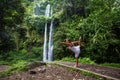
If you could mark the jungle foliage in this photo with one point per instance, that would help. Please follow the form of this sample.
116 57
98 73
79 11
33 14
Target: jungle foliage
97 21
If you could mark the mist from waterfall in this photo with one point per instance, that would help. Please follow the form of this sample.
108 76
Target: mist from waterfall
37 9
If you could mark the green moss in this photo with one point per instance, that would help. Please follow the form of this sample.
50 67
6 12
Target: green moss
14 68
116 65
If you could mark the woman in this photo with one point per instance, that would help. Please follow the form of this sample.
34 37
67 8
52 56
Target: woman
75 49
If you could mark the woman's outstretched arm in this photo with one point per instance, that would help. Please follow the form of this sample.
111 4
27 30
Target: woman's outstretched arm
66 43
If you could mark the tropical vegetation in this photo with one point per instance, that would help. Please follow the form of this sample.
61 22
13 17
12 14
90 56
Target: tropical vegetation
96 21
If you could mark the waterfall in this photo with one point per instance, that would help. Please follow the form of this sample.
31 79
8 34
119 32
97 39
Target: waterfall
48 56
47 12
45 44
50 44
47 48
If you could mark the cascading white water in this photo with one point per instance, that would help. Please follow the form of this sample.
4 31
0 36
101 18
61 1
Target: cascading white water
47 12
45 45
47 51
50 44
45 55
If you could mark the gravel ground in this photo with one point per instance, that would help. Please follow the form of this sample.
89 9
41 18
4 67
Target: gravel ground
49 72
55 72
108 71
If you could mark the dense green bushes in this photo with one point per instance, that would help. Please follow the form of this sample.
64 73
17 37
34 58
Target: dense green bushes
99 30
16 56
